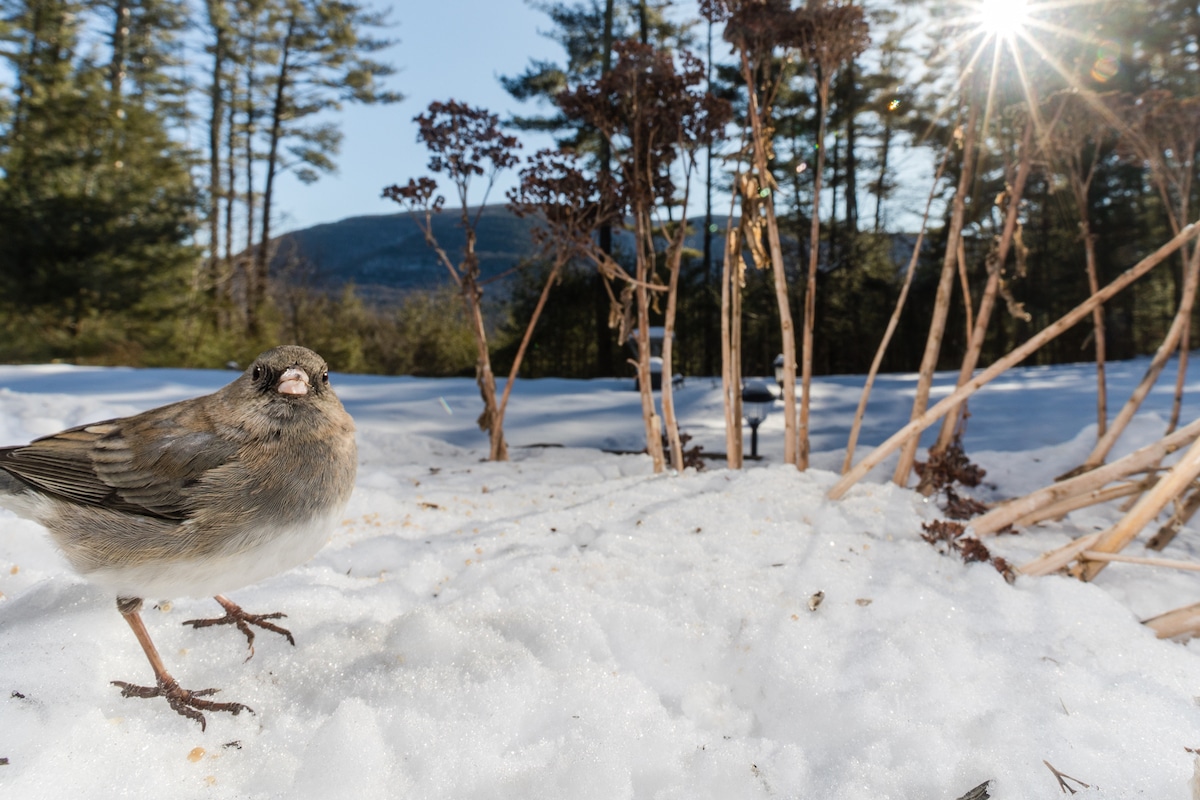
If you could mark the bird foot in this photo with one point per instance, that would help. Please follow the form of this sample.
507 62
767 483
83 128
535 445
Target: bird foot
235 615
186 703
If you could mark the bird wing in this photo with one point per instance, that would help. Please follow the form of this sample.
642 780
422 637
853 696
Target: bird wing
143 464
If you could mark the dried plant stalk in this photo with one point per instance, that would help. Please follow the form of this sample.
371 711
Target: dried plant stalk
941 308
551 279
1183 621
644 261
759 119
1081 123
856 428
1140 460
1172 485
731 341
464 143
1181 517
1157 363
1090 498
674 258
1171 563
1163 132
964 285
995 266
914 428
835 34
1060 557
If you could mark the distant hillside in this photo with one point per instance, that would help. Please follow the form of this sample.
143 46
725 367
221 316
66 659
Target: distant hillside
386 254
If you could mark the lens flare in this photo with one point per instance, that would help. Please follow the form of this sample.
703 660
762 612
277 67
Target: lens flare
1003 18
1108 61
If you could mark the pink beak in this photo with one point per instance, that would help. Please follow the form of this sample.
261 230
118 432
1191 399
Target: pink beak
294 381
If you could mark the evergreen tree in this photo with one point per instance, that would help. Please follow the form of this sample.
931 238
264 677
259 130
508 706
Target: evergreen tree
587 31
96 202
324 59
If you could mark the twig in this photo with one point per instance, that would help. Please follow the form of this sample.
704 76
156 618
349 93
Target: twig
1060 557
893 321
1062 779
1096 555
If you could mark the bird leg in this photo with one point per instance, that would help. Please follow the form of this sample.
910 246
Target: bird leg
186 703
234 615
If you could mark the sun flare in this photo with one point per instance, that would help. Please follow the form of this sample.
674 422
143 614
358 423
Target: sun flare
1002 18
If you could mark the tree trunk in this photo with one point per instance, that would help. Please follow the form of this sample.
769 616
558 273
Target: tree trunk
810 288
226 292
120 47
1089 248
601 304
254 291
216 122
710 280
849 75
885 148
262 254
937 326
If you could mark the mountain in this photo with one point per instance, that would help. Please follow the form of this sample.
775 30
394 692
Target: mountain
386 254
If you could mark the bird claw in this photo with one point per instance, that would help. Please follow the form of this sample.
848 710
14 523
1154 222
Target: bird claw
185 702
234 615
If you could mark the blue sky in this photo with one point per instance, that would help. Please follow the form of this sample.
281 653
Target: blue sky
448 49
457 49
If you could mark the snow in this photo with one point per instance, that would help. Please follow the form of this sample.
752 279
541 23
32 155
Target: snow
568 625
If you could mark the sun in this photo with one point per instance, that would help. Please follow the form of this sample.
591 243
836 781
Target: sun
1003 19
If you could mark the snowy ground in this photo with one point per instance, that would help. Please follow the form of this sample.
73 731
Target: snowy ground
567 625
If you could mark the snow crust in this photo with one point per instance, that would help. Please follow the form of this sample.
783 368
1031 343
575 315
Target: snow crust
567 625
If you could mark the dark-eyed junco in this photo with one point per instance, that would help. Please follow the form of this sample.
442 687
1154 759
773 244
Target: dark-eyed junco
198 497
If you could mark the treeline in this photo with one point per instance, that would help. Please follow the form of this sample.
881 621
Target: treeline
141 143
894 111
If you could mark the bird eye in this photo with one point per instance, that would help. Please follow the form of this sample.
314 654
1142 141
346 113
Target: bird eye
256 374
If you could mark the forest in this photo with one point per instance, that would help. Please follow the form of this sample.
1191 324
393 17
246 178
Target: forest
141 142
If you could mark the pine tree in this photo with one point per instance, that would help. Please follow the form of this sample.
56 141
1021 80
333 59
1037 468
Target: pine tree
96 203
324 60
587 30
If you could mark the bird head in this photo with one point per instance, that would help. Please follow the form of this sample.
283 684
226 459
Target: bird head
289 371
283 384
